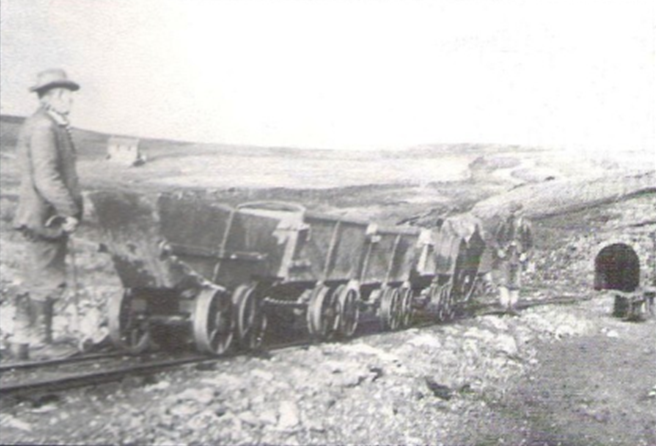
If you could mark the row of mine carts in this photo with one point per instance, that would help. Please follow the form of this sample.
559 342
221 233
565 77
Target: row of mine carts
216 273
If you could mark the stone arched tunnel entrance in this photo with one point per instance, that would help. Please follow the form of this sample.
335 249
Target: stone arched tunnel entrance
617 267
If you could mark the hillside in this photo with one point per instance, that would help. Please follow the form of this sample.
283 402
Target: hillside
434 179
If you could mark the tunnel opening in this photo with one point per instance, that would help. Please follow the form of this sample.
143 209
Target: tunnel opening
617 267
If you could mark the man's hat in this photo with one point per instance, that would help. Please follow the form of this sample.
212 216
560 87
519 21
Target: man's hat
53 78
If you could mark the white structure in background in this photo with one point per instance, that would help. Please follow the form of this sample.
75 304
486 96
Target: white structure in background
125 151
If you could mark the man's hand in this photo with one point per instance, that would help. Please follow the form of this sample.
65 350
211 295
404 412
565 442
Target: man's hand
70 224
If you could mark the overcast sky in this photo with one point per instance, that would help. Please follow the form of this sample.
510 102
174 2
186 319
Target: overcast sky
345 74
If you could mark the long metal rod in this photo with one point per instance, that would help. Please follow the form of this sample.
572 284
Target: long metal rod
76 296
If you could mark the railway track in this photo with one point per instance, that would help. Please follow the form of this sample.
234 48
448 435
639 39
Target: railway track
25 365
15 384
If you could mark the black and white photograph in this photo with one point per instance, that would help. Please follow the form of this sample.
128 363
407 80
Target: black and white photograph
328 222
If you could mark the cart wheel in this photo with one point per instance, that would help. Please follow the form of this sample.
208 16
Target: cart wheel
250 317
348 298
406 298
467 285
390 309
398 310
322 313
213 321
436 298
441 306
447 309
451 307
128 322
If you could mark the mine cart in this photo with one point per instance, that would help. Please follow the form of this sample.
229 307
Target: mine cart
459 247
160 290
390 258
325 268
469 265
440 296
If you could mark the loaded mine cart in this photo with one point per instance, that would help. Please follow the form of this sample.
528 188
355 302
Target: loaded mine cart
389 274
161 290
216 270
442 290
457 250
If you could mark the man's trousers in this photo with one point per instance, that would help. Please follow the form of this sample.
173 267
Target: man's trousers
45 267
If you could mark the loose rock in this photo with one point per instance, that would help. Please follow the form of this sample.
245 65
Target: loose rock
289 415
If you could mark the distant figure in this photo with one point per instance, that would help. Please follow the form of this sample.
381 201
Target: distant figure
514 240
49 209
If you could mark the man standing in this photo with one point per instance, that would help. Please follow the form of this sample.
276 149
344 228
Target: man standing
49 208
514 240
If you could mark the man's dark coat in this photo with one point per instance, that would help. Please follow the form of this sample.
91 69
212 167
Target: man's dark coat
49 182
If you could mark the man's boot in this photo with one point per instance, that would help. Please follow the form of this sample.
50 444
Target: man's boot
41 345
40 323
19 344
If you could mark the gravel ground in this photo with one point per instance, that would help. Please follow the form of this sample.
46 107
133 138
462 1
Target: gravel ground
487 380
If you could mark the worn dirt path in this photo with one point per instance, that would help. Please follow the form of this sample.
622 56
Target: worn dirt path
598 389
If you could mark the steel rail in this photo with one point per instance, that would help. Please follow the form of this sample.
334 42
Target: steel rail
73 381
10 366
92 378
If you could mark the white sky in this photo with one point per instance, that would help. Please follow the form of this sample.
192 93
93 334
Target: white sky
345 74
